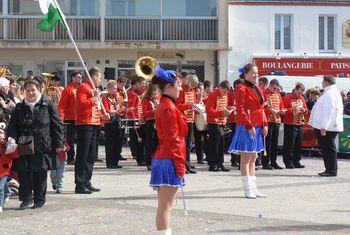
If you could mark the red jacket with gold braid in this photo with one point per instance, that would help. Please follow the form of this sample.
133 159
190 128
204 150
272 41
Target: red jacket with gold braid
214 106
275 102
148 109
88 109
6 161
231 103
66 105
133 102
171 130
294 118
110 102
183 103
250 112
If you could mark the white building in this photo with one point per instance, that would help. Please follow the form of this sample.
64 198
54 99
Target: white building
295 37
112 34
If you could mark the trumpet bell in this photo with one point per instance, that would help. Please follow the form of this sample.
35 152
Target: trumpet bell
146 67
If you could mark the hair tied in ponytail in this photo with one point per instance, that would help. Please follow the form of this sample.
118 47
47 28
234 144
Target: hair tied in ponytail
241 70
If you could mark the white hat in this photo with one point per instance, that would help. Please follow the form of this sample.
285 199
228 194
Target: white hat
4 82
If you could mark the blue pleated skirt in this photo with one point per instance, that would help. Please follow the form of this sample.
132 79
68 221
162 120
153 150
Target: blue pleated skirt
164 174
243 142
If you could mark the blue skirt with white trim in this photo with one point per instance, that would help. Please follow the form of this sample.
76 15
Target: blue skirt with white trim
243 142
164 174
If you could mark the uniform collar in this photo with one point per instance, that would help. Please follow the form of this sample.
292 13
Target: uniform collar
165 96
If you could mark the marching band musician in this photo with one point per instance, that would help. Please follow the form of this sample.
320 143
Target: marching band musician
217 110
122 99
112 126
294 119
199 135
150 103
273 110
251 127
88 120
132 112
168 164
235 159
185 103
66 109
52 90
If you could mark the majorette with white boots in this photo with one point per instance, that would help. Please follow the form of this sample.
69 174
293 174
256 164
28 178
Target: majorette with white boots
251 128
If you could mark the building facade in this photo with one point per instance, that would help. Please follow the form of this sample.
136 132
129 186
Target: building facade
290 37
113 34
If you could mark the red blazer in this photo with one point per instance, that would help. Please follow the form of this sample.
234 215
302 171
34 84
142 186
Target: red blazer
290 101
88 109
231 103
250 112
148 109
276 103
171 130
214 115
107 102
133 101
66 105
184 106
6 161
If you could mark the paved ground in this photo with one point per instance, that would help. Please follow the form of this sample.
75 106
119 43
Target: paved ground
299 202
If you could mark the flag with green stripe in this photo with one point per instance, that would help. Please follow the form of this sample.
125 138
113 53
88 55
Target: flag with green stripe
51 16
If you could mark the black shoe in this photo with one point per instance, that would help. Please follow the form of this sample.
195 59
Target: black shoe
92 189
149 167
123 159
290 166
213 168
114 167
267 167
82 191
276 166
193 167
25 205
258 162
190 171
326 174
38 205
54 187
223 169
299 165
234 164
200 162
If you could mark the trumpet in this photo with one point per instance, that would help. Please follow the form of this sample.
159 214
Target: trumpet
52 91
146 67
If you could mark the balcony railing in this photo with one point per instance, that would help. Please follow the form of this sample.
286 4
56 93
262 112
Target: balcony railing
24 28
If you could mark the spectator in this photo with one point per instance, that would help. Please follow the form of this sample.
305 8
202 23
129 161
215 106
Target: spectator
347 104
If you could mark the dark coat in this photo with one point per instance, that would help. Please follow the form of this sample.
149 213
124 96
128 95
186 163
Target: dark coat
45 125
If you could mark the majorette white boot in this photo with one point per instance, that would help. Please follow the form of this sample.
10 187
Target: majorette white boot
164 232
248 192
254 188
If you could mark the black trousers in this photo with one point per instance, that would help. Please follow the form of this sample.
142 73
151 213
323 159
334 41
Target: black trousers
329 150
137 147
98 135
30 181
86 153
271 145
151 141
293 138
234 157
71 138
217 146
188 145
201 142
113 144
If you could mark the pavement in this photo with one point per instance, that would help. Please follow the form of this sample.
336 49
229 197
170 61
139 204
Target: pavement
298 202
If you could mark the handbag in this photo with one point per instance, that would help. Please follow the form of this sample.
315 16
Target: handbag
26 145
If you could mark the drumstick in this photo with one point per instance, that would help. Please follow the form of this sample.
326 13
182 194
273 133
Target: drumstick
139 139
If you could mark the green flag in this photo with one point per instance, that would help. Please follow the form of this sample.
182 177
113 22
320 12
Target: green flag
51 16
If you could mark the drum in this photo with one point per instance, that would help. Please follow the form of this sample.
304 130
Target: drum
201 121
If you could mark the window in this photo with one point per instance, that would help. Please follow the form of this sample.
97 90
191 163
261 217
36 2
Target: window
326 28
283 32
133 7
0 7
189 8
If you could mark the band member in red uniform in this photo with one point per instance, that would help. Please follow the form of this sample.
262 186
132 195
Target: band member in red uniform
66 108
185 103
235 159
112 125
294 119
88 120
273 110
122 100
217 113
168 164
251 127
133 111
150 103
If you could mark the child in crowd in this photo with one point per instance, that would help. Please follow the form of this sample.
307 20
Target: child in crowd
57 175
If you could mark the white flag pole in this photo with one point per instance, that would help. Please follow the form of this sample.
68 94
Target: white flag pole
78 53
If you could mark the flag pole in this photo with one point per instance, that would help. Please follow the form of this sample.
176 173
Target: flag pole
78 53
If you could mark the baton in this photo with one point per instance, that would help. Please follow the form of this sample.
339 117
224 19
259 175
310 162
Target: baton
183 199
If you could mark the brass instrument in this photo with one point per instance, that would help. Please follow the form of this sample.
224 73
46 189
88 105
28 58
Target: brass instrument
146 67
225 130
52 91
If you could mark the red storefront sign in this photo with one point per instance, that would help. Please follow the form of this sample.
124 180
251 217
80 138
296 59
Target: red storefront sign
338 67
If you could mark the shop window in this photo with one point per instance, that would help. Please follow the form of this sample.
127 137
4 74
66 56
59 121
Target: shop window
283 32
326 26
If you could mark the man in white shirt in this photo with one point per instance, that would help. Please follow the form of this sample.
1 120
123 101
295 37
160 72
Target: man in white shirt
327 120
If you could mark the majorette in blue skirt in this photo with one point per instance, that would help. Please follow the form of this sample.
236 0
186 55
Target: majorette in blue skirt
164 174
243 142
